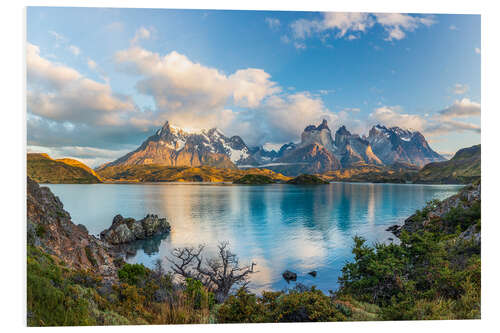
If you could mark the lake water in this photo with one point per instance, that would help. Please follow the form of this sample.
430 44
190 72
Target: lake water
279 227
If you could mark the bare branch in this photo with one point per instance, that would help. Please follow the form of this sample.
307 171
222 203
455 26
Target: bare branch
218 274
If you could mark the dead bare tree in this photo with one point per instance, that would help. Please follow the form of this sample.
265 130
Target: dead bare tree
218 274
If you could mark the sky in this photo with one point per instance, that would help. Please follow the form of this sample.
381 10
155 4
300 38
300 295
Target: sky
101 80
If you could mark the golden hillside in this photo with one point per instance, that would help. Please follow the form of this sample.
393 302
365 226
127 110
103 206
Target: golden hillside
43 169
158 173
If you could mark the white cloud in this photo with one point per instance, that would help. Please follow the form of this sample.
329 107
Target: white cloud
250 86
442 122
42 70
91 63
273 23
462 108
396 24
460 89
74 49
392 116
341 22
285 39
299 46
190 92
477 50
141 33
453 27
345 24
61 93
59 37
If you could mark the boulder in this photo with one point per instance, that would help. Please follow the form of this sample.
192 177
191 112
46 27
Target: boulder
313 273
126 230
289 276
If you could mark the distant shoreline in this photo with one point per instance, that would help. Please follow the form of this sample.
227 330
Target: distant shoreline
231 183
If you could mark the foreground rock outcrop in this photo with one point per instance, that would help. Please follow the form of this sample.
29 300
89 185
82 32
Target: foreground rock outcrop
126 230
51 229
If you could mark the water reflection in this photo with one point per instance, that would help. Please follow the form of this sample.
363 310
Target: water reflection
300 228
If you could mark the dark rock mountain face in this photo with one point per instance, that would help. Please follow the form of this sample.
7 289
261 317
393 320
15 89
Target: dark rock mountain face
394 144
317 152
314 153
354 150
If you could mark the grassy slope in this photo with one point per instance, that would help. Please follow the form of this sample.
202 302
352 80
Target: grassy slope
307 180
79 164
157 173
43 169
371 173
254 180
464 167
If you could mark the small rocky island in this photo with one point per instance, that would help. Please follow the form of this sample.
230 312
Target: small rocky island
126 230
307 180
254 180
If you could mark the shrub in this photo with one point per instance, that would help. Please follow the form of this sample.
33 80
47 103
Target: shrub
242 308
197 295
307 306
132 273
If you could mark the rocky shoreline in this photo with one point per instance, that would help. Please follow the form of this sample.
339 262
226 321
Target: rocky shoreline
50 227
436 212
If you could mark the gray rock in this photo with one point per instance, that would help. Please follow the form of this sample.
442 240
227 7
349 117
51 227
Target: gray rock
472 233
289 276
126 230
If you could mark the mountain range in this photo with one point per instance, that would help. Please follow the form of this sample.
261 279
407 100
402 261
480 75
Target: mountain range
318 151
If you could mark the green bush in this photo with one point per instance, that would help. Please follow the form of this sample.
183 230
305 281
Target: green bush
420 278
132 273
243 307
198 296
306 306
463 218
294 306
51 299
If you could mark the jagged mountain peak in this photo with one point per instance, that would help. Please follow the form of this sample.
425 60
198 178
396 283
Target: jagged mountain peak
175 146
396 144
323 125
169 128
342 131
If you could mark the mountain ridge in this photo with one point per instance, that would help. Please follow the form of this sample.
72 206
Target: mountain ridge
317 152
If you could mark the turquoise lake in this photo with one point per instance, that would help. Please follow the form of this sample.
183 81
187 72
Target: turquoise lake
279 227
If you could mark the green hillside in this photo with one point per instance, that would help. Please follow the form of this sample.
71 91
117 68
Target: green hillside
463 168
43 169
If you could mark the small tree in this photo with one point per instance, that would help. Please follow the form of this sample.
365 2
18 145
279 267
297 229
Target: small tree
218 274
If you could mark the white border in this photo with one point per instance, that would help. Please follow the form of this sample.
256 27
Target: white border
13 142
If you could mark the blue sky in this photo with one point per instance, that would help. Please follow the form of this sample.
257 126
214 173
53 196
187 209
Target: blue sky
101 80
